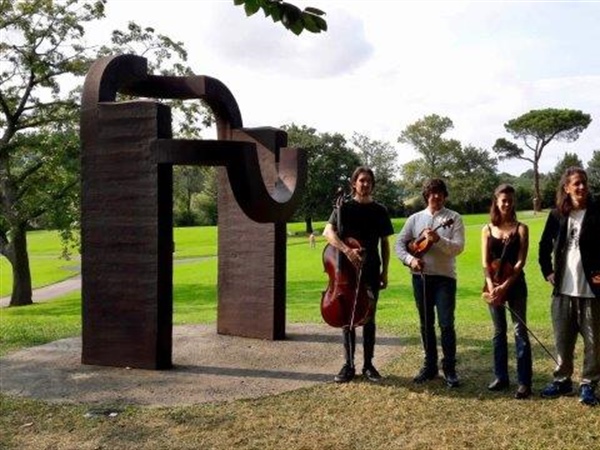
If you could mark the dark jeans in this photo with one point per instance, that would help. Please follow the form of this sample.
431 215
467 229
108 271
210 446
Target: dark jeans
517 302
434 292
369 331
572 316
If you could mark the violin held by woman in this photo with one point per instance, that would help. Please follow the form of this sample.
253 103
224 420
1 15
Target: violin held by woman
499 271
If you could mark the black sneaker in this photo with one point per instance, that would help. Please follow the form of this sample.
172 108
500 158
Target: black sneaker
346 374
523 392
371 373
451 379
498 385
425 374
587 396
558 388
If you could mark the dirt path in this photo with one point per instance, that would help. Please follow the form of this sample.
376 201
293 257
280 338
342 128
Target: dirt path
52 291
49 292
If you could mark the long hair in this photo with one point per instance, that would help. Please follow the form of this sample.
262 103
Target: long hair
357 172
495 215
564 204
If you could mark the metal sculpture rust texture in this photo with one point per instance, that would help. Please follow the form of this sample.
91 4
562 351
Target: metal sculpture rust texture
128 155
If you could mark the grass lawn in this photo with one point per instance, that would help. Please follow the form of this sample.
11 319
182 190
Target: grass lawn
396 414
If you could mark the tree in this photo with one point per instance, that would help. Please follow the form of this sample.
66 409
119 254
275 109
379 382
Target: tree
553 178
536 129
473 179
381 157
206 201
330 165
194 196
425 135
291 16
42 50
165 57
40 46
593 171
188 181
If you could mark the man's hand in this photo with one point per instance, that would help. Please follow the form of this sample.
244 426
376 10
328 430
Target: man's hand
383 280
431 235
355 255
417 264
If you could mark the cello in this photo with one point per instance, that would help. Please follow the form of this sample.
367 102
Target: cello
347 302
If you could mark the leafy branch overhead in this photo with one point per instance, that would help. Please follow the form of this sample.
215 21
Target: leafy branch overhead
290 16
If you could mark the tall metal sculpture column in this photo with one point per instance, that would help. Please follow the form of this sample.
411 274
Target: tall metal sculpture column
127 238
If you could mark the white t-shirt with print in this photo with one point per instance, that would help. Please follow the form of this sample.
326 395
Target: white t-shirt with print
574 282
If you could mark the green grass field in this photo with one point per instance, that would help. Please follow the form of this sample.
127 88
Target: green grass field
195 278
393 415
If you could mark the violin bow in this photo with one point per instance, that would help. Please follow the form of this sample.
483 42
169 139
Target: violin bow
512 311
356 291
424 281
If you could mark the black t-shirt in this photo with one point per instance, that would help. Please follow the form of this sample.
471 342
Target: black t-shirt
367 223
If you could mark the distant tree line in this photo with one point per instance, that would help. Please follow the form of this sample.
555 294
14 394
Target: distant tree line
471 173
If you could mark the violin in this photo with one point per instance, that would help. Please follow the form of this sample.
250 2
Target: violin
346 301
500 270
421 245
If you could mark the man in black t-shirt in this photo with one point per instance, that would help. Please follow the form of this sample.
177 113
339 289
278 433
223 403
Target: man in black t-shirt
369 223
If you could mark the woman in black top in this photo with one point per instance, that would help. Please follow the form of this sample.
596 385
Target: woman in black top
504 247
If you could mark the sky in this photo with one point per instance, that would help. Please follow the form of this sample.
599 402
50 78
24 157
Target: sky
383 65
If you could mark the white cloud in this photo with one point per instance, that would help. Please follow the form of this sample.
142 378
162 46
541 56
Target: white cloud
383 65
257 44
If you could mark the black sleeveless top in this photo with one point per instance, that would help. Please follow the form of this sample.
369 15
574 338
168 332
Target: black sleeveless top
511 254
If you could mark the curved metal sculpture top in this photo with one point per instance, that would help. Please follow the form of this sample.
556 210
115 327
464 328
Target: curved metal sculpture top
235 149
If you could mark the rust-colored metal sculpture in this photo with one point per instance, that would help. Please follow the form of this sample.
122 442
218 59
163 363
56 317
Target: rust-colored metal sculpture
127 235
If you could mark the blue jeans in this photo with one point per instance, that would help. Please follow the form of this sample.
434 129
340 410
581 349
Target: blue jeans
434 292
517 301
